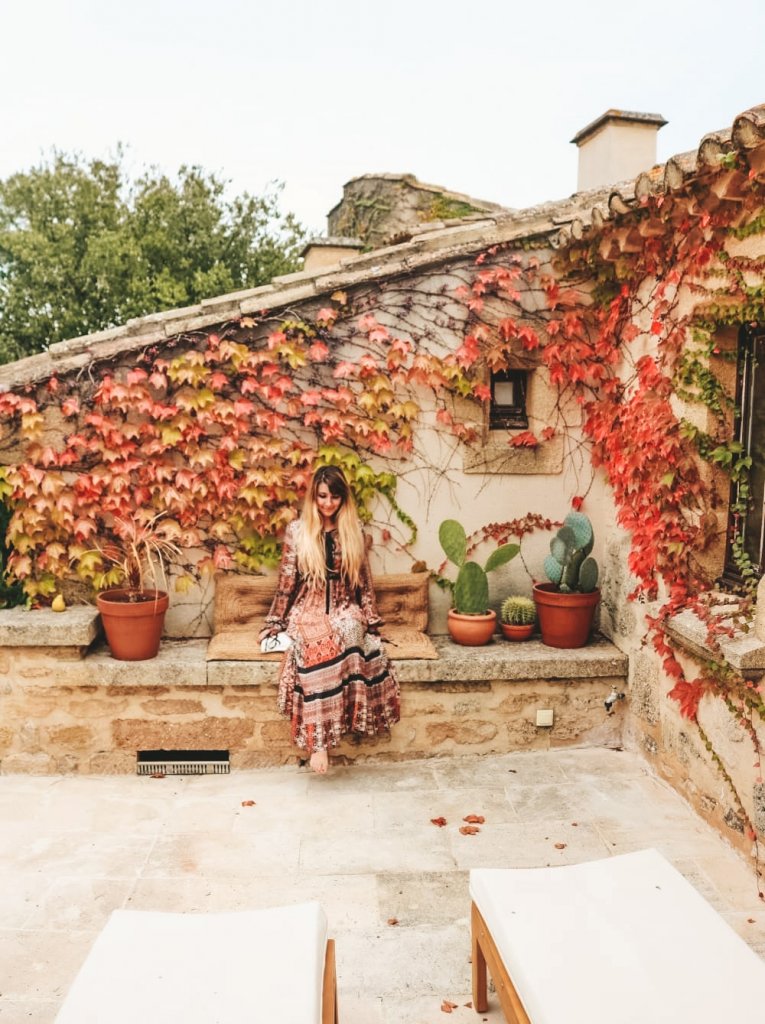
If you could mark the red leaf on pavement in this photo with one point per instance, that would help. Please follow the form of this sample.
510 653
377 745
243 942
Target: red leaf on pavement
447 1007
560 846
469 830
438 821
392 920
248 803
474 819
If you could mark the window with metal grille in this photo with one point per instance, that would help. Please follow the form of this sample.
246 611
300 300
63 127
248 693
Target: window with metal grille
749 429
507 410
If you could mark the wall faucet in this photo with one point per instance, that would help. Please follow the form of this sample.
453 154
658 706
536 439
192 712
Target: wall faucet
611 699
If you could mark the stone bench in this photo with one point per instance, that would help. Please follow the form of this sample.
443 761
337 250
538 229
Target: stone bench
626 939
242 603
67 706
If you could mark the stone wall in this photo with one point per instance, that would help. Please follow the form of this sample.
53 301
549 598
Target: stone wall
76 709
654 725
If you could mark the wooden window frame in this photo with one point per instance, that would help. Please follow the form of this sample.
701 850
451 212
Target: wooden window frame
509 417
750 372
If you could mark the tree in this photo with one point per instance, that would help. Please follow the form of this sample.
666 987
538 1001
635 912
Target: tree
83 248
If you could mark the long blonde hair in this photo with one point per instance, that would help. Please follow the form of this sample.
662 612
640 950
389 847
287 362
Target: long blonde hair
310 540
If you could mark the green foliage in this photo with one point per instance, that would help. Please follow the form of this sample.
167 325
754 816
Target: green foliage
569 565
82 248
11 590
471 588
444 208
518 611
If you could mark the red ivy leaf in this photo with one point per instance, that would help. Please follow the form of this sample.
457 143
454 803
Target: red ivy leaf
524 440
687 696
438 821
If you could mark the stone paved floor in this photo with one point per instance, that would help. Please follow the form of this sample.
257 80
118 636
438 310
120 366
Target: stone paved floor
360 841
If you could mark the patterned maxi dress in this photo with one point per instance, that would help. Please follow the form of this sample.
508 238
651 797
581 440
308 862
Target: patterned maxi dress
336 677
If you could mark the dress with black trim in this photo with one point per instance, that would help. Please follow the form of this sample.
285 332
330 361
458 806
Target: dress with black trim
336 677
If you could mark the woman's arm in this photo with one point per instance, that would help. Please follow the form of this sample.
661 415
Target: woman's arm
367 598
286 585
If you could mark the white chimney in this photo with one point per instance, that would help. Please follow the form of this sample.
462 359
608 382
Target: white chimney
615 147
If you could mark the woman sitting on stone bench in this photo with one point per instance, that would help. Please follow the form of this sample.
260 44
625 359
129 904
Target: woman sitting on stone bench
335 677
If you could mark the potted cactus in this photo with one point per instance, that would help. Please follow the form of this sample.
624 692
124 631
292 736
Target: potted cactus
470 621
518 617
566 605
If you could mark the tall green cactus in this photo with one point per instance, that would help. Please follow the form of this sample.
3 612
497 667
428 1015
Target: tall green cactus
471 588
569 564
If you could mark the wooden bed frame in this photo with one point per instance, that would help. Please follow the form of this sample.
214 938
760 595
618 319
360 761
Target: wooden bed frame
329 1009
485 955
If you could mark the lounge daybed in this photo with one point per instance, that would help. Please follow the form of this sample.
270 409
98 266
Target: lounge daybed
625 940
258 965
242 602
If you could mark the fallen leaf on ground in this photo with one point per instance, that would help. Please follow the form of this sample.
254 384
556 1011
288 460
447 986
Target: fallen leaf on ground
575 824
248 803
392 920
469 830
474 819
560 846
447 1007
158 775
750 920
438 821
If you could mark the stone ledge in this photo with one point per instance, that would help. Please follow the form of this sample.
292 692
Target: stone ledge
182 663
76 627
745 652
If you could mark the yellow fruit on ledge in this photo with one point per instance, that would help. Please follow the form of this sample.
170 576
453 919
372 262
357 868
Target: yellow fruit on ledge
59 604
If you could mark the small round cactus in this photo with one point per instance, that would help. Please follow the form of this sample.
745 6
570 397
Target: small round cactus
518 611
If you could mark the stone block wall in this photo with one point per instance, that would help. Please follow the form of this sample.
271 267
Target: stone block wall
73 709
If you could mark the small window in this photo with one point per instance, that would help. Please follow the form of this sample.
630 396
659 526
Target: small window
508 400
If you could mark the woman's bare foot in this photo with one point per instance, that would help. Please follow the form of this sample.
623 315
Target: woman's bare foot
319 762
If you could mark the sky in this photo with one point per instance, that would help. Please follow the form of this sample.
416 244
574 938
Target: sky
481 98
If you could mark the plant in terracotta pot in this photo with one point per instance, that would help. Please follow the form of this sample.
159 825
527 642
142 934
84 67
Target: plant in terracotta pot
470 621
518 617
129 569
566 605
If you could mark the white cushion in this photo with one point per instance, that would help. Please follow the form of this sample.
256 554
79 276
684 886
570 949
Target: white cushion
626 940
250 966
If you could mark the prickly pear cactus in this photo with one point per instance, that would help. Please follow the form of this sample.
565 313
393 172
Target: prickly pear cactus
471 588
471 591
453 540
569 565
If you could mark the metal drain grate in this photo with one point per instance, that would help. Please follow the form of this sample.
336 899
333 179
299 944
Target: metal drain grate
183 762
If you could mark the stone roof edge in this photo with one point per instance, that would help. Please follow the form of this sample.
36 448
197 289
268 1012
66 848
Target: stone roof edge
423 186
559 222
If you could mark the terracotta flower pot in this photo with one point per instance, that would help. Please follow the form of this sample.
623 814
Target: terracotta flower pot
517 633
471 630
565 620
133 622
